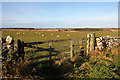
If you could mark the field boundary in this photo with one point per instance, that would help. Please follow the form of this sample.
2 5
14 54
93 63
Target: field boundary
51 49
90 46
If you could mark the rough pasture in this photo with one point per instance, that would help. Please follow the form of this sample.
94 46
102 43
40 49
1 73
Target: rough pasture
32 36
35 36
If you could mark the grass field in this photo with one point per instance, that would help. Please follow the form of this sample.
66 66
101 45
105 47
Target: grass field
33 36
36 36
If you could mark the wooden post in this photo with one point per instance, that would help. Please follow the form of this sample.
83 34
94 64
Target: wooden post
92 42
88 44
19 48
71 49
84 46
50 53
22 51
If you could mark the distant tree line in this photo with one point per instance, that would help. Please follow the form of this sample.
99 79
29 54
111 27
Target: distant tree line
94 29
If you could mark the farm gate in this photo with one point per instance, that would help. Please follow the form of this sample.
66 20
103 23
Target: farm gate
76 46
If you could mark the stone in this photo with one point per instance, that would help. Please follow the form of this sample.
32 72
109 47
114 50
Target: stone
107 42
97 40
9 39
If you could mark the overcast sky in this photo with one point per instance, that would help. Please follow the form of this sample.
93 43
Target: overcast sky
60 14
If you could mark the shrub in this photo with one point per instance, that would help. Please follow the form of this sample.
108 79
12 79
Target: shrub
99 65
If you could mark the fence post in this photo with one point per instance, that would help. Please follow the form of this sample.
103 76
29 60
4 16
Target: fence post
92 42
19 48
88 43
71 49
50 53
22 50
84 46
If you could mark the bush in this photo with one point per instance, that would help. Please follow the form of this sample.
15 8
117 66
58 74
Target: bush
99 65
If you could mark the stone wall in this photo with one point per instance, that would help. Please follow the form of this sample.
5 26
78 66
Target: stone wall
106 42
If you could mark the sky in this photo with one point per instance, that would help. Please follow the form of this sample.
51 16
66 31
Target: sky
60 14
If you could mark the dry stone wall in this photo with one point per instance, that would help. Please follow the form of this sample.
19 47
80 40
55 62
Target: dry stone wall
106 42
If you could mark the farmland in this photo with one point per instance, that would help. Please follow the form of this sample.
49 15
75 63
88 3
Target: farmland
37 36
32 36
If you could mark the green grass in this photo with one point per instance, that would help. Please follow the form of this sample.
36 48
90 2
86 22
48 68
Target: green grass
32 36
